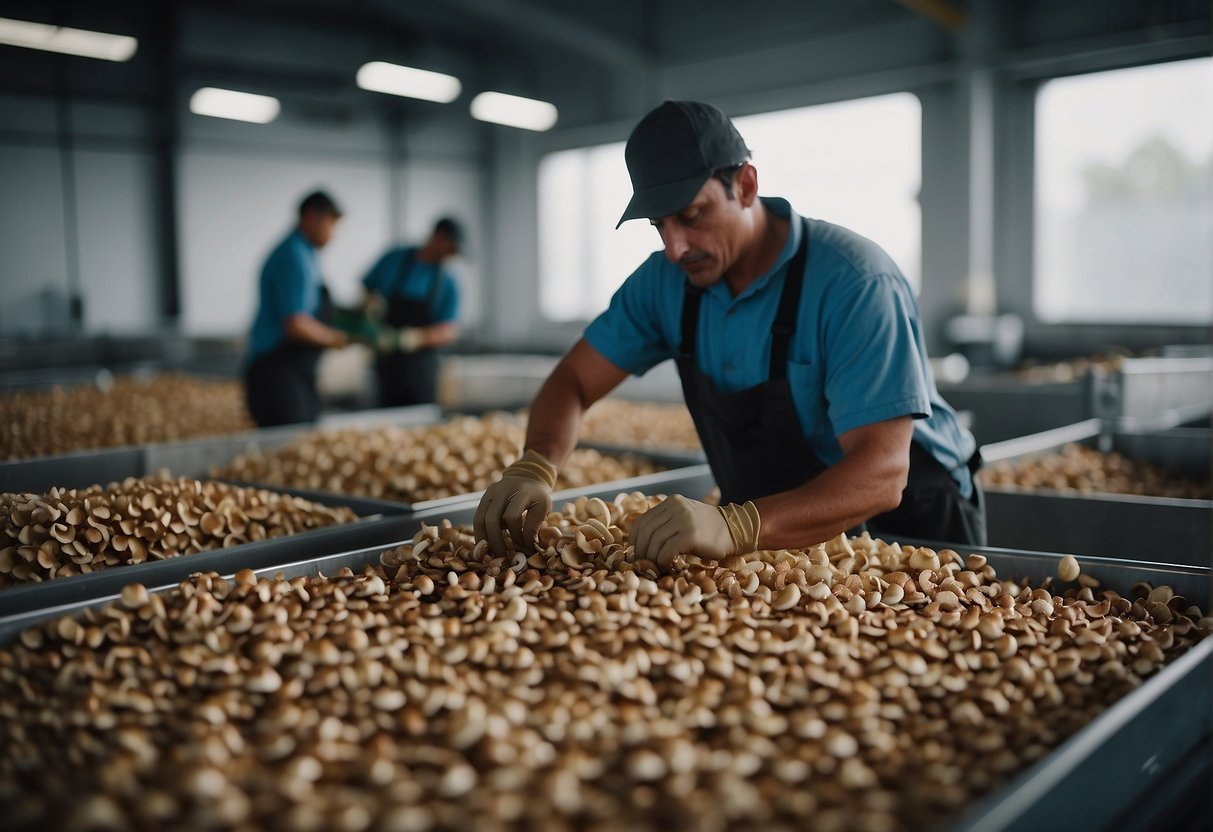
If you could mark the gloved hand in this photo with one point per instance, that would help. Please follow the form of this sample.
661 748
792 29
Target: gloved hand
404 339
678 525
518 501
350 321
375 307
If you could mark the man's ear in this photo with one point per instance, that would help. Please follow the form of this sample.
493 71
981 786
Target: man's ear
745 183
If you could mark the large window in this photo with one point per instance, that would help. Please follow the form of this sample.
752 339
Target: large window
856 163
1124 214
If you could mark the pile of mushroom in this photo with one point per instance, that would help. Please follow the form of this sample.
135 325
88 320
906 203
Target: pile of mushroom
130 411
69 532
410 465
1085 470
857 685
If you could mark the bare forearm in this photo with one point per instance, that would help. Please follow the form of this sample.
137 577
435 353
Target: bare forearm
555 418
439 335
581 378
867 481
307 330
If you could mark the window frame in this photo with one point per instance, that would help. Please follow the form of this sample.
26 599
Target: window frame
1017 88
763 108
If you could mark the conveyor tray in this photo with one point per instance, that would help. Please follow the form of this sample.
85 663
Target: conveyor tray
677 465
1111 525
1106 772
379 528
1006 406
368 530
184 458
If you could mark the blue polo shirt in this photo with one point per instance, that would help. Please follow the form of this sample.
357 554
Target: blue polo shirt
857 357
385 277
290 284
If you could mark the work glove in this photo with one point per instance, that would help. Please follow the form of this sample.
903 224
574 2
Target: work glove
680 526
375 307
517 503
404 339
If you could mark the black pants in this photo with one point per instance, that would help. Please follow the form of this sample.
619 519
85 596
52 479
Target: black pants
280 389
407 378
932 507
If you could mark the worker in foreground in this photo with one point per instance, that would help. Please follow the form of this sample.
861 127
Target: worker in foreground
292 327
802 362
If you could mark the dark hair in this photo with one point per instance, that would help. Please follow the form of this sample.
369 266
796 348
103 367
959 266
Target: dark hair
451 229
320 202
725 175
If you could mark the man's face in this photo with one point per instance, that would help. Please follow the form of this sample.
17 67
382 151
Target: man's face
319 227
705 238
445 246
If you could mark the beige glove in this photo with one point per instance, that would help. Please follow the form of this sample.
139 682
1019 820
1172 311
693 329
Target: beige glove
519 501
679 525
405 339
375 307
410 339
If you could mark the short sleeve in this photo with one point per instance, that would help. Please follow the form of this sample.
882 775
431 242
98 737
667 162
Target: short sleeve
290 284
875 364
630 333
376 280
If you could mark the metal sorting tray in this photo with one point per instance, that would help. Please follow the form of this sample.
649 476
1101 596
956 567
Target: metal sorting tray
1153 393
1109 770
668 455
189 457
677 465
1162 529
196 458
383 523
370 529
1002 408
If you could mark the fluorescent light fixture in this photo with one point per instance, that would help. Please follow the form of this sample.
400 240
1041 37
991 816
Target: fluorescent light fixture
378 76
239 106
514 111
67 41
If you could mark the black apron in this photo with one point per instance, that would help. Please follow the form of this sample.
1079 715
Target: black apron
280 385
756 446
407 378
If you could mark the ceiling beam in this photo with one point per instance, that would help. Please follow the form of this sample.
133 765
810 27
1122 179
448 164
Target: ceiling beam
942 12
532 21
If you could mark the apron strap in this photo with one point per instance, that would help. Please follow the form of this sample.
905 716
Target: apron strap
402 273
690 319
789 307
785 315
431 297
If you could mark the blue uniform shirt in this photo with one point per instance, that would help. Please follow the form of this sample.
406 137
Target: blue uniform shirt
290 284
857 357
386 279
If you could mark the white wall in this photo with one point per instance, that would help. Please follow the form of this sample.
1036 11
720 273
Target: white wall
238 188
112 197
235 206
32 257
116 229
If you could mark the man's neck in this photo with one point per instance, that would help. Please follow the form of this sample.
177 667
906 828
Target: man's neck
770 234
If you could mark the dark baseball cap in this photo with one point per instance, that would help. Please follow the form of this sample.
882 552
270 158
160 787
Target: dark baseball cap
673 152
320 202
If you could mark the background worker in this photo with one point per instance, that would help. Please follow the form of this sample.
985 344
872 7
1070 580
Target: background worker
290 330
802 361
415 302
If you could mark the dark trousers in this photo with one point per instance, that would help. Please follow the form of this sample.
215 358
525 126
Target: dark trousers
280 389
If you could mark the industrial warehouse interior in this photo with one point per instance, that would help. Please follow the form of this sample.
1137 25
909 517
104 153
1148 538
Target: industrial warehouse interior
633 415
